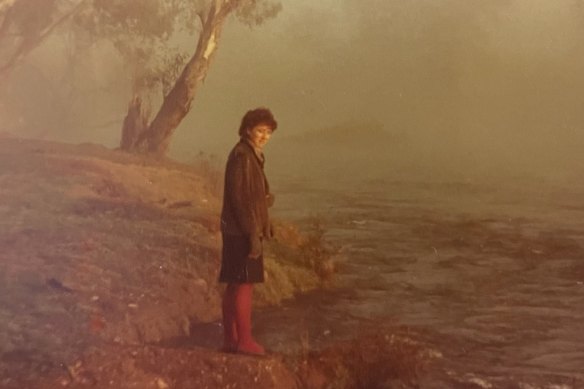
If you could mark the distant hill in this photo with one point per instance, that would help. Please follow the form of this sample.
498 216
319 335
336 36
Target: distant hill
353 136
346 149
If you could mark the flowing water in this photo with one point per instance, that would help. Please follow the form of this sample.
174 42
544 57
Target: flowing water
494 271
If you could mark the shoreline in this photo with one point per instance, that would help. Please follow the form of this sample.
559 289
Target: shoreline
107 257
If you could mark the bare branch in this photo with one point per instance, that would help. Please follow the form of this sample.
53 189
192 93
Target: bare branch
63 18
6 20
178 101
202 16
27 46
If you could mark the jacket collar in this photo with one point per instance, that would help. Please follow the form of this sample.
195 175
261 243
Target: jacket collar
258 154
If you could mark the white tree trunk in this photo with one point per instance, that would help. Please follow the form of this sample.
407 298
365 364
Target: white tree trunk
176 105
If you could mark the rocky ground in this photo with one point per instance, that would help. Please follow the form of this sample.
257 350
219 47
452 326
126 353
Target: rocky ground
107 257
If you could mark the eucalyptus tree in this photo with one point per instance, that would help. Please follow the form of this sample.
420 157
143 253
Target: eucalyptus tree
144 32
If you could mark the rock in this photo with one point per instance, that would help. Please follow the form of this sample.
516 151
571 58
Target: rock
161 384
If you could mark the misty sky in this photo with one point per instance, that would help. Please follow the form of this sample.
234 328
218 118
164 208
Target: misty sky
412 65
500 79
495 75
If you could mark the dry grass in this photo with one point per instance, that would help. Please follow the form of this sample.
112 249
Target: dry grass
101 245
379 358
308 249
209 168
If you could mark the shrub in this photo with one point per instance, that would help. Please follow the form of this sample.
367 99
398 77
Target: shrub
309 250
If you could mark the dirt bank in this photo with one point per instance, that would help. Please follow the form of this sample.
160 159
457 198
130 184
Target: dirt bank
386 359
104 252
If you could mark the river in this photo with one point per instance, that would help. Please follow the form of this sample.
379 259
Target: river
493 271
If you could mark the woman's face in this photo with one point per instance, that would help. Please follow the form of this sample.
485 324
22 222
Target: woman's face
259 135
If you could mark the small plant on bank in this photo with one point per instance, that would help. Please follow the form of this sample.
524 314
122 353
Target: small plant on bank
307 249
317 252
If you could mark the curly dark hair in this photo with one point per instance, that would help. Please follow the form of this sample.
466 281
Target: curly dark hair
255 117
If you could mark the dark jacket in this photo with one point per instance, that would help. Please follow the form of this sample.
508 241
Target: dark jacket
246 195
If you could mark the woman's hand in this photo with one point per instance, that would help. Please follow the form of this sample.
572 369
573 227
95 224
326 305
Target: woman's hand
270 198
255 247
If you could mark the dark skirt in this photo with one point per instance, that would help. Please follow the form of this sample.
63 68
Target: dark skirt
236 267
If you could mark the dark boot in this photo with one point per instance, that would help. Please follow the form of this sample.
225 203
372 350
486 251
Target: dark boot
243 302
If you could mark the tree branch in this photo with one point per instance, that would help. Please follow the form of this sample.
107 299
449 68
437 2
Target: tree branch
178 101
202 17
27 46
6 20
63 19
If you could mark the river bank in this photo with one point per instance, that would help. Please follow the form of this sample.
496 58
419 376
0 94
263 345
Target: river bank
109 261
103 252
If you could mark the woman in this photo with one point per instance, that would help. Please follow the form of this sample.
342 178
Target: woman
244 225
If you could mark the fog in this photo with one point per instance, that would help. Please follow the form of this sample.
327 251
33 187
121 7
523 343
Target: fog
484 86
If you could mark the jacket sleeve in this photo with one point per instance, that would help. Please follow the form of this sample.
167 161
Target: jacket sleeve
240 194
270 198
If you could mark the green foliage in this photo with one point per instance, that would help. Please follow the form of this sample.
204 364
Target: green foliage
156 40
142 33
256 12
